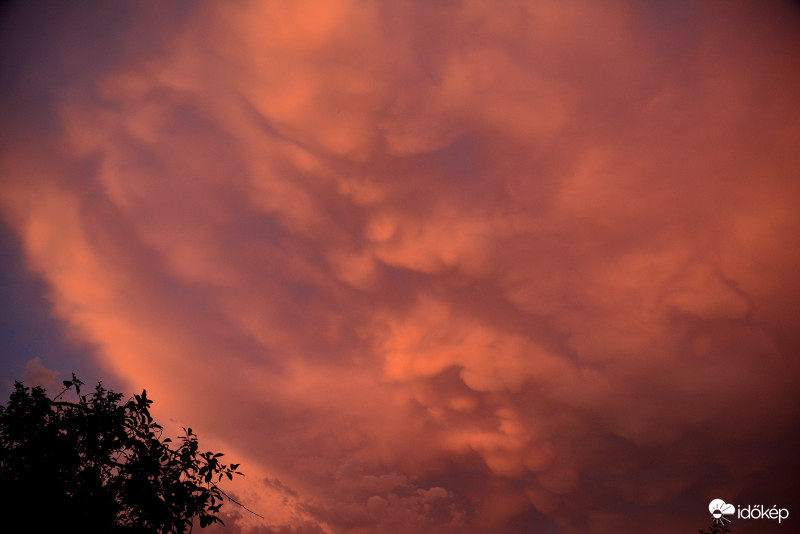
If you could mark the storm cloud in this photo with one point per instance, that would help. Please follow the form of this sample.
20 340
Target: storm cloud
431 267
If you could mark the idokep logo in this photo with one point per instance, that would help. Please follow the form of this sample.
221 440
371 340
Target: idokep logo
720 511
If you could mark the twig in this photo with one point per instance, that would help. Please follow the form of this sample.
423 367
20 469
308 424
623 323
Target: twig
234 501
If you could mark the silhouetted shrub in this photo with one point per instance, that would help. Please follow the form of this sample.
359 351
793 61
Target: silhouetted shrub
716 528
96 463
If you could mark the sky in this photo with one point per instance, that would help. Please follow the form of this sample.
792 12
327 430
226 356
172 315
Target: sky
421 267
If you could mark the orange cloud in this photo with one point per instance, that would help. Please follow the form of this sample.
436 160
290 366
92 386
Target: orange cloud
432 267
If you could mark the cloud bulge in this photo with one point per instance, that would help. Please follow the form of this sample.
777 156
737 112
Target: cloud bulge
448 267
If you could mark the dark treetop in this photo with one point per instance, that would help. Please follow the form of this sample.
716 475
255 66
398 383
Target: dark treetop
96 463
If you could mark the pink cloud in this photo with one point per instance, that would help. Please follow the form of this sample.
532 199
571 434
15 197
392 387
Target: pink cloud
36 374
442 267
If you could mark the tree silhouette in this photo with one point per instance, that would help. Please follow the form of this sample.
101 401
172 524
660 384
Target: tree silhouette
99 464
716 528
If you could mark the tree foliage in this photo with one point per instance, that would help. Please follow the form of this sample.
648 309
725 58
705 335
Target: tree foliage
99 463
717 527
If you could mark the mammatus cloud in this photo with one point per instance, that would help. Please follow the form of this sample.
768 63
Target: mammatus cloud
441 267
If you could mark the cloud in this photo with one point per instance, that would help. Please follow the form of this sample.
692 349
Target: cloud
36 374
440 267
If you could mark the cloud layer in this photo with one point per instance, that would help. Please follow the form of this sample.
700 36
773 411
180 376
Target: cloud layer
436 267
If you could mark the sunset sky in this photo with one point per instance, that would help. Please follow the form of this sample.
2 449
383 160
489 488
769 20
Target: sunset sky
421 267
